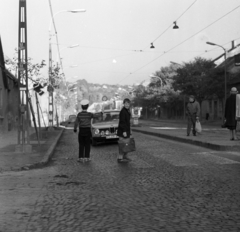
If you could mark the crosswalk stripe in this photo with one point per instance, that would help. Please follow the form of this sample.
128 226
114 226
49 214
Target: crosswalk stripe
210 157
176 160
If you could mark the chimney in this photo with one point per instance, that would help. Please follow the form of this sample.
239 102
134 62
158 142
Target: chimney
233 44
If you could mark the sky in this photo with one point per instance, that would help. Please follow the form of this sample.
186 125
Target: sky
114 36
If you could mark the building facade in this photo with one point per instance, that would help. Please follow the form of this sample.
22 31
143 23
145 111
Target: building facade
8 101
213 107
8 97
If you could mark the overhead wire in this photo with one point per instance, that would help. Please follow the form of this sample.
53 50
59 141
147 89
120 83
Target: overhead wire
55 29
113 57
181 42
172 24
216 48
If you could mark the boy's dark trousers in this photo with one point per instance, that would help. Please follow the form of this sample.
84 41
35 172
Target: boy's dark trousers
84 139
191 123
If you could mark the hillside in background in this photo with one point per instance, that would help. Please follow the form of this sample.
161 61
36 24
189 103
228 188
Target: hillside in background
96 92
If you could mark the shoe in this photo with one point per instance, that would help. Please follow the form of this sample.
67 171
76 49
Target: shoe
80 160
194 134
187 134
87 159
127 159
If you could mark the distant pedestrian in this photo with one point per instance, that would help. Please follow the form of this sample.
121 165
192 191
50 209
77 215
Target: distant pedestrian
124 129
83 122
193 112
230 113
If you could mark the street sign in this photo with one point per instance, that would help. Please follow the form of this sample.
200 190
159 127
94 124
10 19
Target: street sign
104 98
50 88
21 67
21 46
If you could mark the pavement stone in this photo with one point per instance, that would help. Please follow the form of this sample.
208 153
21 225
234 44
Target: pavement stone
158 196
212 136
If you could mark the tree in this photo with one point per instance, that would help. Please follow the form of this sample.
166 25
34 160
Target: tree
34 69
165 74
143 97
56 77
215 83
193 78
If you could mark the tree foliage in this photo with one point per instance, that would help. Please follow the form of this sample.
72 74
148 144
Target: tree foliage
34 69
193 77
165 74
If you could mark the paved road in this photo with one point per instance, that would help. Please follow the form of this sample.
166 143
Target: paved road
167 187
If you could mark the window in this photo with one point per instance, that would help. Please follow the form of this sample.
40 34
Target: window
106 117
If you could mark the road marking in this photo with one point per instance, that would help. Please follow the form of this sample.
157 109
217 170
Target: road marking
139 163
210 157
195 159
182 128
176 160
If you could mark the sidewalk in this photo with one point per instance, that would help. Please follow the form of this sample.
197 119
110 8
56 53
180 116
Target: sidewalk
212 136
40 155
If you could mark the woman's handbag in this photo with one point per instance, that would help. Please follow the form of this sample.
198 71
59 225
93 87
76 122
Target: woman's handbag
126 145
198 127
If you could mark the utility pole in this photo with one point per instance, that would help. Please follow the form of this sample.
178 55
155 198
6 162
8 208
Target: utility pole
50 89
23 112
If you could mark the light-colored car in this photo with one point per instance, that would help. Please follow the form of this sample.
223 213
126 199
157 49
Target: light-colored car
70 121
104 126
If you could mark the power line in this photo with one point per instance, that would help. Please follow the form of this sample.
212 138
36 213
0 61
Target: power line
52 16
108 58
215 48
175 20
181 42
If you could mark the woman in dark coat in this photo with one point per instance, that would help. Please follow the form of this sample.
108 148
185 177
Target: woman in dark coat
230 113
124 129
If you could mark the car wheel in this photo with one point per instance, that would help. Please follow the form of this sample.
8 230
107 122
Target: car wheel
94 143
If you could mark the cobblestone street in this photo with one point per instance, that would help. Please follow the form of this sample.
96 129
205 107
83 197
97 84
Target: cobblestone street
168 186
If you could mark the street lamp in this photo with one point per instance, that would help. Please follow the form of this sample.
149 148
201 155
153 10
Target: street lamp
225 74
158 78
50 87
71 46
49 29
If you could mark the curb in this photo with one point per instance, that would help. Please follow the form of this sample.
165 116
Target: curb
46 157
192 142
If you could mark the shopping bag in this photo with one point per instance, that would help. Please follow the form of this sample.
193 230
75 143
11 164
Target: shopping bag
198 127
126 145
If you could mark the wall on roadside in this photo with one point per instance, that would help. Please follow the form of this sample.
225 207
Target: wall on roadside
8 103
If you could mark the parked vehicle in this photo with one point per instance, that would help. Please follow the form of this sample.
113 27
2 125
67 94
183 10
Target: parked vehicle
104 126
72 118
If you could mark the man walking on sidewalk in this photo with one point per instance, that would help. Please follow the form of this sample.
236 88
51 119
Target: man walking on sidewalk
193 112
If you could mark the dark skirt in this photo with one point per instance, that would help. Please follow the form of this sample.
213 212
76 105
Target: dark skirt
232 127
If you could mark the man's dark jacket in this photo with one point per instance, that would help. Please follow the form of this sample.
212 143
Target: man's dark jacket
124 122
